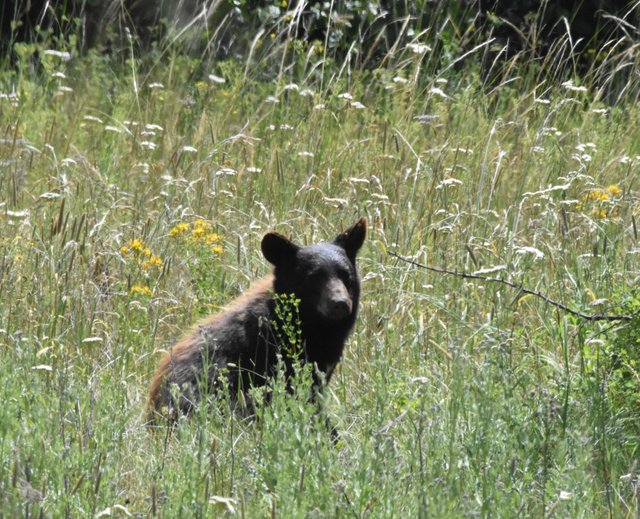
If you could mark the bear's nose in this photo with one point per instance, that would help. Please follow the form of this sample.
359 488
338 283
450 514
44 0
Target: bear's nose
335 302
340 308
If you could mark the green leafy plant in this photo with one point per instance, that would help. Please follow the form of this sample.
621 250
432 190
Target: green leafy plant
287 324
622 366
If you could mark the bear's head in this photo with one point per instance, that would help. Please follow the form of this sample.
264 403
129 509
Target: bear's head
322 276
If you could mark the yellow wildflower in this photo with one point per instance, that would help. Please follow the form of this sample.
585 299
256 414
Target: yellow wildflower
601 214
200 229
153 261
147 252
614 190
201 86
124 250
212 238
140 290
136 245
598 195
216 249
178 230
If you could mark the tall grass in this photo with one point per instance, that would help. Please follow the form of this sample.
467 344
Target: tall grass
454 398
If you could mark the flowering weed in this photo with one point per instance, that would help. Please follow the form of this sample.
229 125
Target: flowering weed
200 248
455 398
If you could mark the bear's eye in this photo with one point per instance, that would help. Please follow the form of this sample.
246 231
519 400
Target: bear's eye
313 276
344 275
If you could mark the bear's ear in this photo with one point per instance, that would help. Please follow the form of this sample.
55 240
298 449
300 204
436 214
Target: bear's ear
352 239
277 249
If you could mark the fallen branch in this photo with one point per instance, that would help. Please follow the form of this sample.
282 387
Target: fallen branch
465 275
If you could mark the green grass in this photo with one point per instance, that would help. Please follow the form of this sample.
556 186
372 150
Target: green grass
454 398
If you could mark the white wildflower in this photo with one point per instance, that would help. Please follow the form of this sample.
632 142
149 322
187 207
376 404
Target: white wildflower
358 105
113 129
59 75
49 196
253 169
542 101
272 100
64 56
306 92
153 127
573 88
90 340
154 86
217 79
224 504
17 214
418 48
399 79
437 91
538 254
449 182
12 97
189 149
345 95
319 106
292 86
583 147
65 89
582 157
148 144
305 154
286 127
336 202
426 118
92 118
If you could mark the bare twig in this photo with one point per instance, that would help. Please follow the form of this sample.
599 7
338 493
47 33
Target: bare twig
465 275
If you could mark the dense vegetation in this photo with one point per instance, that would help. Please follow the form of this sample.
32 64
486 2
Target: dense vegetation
135 186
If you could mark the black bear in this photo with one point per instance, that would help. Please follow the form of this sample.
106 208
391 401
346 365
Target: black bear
240 346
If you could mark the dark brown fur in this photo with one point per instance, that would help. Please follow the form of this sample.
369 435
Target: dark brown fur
238 346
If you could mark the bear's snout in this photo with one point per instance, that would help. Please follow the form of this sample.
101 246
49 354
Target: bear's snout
336 302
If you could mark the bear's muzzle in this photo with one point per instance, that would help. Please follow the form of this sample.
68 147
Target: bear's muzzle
335 302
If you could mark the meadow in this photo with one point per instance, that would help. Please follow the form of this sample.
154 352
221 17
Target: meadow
134 192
